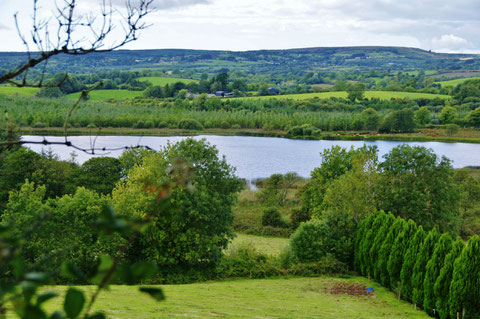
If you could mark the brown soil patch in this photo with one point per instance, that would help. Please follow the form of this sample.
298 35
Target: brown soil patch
351 289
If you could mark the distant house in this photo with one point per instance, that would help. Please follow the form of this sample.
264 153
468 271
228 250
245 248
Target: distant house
223 94
273 91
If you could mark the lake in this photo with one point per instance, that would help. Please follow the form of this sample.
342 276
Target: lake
258 157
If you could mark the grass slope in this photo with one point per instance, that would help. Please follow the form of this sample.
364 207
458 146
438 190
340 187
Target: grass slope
266 298
264 245
161 81
456 82
103 95
22 92
383 95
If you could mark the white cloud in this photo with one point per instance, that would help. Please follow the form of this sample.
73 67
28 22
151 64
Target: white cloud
450 43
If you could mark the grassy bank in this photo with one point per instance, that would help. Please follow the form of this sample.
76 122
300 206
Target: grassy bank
382 95
422 135
269 298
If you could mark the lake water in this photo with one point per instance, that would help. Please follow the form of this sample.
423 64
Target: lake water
258 157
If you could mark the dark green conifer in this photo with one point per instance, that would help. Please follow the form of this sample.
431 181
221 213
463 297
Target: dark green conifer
442 284
409 262
419 269
360 233
432 271
397 255
465 286
367 242
377 244
386 249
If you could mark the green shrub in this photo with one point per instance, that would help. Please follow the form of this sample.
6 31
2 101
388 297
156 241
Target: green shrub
299 215
451 129
325 266
148 124
272 217
307 242
236 127
189 124
39 125
162 124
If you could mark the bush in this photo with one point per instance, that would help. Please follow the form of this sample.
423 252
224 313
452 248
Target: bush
451 129
39 125
325 266
245 261
189 124
162 124
298 216
272 217
307 242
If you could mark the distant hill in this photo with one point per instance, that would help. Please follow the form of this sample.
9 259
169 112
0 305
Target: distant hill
259 61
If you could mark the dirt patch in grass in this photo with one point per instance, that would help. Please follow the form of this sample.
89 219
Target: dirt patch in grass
351 289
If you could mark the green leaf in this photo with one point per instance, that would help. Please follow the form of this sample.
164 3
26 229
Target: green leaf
74 302
97 315
72 271
46 296
34 312
155 293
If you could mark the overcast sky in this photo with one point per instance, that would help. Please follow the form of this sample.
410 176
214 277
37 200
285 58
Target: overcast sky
438 25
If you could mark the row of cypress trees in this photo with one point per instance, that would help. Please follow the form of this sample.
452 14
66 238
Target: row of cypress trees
434 271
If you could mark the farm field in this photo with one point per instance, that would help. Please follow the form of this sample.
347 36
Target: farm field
20 91
384 95
260 298
264 245
103 95
162 81
456 81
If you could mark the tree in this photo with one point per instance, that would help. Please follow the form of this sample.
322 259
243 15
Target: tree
416 185
410 258
367 242
154 91
197 225
448 115
432 271
465 289
359 236
442 284
377 244
386 250
370 119
420 264
356 91
397 256
306 242
422 115
400 121
474 117
99 174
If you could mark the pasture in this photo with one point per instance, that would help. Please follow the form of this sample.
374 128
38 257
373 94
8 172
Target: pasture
456 81
260 298
162 81
265 245
103 95
383 95
18 91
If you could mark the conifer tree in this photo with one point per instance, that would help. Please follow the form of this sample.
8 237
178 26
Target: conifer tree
360 233
409 262
367 242
386 249
419 269
377 244
465 286
399 248
442 284
432 271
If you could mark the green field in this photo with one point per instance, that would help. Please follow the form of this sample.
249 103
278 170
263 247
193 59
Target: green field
260 298
161 81
456 82
264 245
13 90
102 95
383 95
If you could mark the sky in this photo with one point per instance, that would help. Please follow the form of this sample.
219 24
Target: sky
439 25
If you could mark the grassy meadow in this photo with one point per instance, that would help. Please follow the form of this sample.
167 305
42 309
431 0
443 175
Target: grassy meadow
265 245
383 95
103 95
19 91
261 298
162 81
456 81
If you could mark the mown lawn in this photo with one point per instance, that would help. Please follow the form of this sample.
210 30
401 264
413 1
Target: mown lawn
456 81
260 298
22 92
103 95
383 95
264 245
161 81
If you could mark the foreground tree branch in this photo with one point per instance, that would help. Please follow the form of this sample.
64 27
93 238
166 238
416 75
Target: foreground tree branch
76 34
